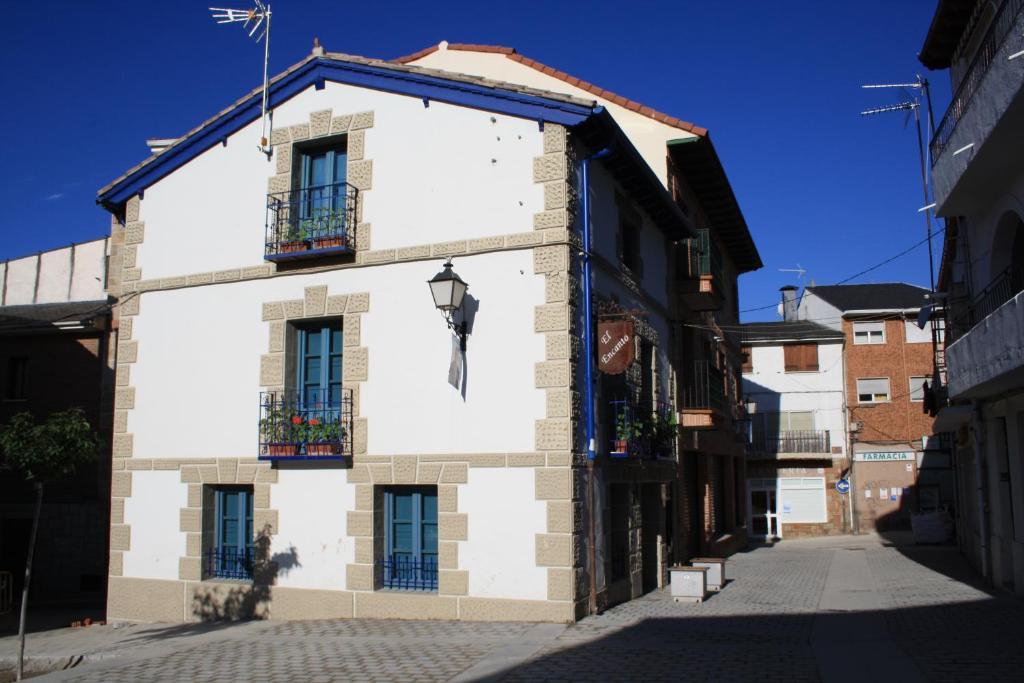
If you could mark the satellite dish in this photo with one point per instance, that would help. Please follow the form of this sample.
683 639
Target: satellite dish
781 311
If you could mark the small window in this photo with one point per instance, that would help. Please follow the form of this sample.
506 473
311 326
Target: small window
869 333
410 538
801 357
17 379
873 390
748 358
232 548
629 238
917 388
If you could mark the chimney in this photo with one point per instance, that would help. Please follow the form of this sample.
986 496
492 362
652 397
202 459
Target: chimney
788 303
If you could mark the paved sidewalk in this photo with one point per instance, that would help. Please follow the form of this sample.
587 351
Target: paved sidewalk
823 609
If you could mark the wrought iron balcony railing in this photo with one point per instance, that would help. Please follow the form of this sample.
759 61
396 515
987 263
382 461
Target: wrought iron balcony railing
404 572
796 441
1004 287
1001 26
230 563
704 388
314 424
311 221
641 435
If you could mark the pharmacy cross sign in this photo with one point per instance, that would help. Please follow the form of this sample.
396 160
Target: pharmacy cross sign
615 346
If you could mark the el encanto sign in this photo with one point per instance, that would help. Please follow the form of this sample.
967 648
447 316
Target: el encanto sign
615 347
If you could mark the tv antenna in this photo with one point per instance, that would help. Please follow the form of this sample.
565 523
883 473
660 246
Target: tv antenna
912 103
799 270
257 22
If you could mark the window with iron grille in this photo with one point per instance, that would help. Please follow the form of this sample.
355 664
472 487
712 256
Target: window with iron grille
410 538
229 538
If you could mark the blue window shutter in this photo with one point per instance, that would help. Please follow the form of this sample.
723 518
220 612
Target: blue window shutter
320 363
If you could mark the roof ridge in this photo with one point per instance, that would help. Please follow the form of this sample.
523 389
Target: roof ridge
512 54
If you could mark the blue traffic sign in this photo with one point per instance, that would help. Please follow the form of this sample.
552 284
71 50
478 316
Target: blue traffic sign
843 486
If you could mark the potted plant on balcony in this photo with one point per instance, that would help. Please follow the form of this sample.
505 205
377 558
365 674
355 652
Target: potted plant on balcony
331 229
277 432
295 238
627 430
323 437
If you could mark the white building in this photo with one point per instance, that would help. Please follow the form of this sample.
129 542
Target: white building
978 183
793 381
298 434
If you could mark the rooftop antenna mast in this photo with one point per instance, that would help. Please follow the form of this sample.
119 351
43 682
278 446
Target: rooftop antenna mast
912 102
257 22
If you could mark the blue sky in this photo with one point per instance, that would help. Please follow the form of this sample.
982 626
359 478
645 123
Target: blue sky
777 84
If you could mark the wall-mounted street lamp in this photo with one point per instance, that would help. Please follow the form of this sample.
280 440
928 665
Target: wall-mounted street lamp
448 290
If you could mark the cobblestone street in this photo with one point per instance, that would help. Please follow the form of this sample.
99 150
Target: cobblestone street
831 609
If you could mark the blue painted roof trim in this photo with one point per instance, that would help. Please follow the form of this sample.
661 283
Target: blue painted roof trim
423 86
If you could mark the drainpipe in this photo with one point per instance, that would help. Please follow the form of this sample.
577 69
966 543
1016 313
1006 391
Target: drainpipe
588 354
588 334
982 498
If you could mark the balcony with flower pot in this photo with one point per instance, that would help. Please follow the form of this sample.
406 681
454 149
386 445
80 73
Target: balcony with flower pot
311 425
640 433
311 222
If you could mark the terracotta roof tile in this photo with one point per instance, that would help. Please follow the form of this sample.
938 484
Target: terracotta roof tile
562 76
469 47
416 55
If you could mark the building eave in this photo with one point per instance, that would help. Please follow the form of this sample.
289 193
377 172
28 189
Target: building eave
630 169
426 84
702 169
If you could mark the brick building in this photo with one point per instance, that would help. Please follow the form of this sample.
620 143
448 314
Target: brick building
887 361
54 353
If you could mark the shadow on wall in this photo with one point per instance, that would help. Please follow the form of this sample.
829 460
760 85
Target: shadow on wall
767 404
234 602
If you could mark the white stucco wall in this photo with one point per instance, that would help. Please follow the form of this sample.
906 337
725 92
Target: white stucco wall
57 275
646 134
605 214
503 522
440 173
199 356
775 390
814 308
312 548
153 513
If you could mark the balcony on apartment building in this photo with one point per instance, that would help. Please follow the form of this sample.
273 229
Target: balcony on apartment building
704 396
700 286
797 444
985 341
315 424
978 135
311 222
643 433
